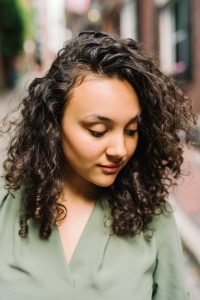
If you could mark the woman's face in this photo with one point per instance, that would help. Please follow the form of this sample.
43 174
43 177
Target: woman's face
99 130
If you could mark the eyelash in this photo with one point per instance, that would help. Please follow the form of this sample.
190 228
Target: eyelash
99 134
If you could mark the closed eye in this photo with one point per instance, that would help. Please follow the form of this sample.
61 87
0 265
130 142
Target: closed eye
131 132
98 134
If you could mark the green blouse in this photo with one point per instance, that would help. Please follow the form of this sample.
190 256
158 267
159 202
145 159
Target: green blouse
103 266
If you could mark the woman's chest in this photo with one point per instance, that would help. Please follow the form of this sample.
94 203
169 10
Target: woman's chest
103 267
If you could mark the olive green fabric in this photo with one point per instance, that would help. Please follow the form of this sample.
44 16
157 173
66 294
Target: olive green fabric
103 266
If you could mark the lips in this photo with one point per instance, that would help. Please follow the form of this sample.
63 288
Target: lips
111 166
110 169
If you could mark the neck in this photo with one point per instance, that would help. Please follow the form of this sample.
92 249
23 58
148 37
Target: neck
77 189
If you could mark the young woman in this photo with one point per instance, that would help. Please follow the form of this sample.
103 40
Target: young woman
83 207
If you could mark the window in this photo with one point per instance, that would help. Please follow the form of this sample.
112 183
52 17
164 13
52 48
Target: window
174 38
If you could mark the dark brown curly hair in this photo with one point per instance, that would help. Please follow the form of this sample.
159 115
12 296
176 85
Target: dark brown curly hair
35 156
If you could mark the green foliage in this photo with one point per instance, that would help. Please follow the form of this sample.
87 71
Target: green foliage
12 28
28 19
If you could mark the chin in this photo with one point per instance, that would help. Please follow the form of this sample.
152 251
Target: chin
105 183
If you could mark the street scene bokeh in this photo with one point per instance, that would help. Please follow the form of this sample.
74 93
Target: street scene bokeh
33 31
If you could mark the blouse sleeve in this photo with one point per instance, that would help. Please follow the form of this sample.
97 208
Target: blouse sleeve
169 274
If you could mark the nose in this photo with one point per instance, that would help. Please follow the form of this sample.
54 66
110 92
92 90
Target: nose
117 148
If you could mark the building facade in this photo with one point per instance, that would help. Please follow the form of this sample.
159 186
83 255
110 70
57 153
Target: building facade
166 28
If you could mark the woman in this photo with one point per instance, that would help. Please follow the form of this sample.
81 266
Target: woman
90 167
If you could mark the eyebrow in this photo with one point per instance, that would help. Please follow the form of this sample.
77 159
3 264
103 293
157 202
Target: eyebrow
104 119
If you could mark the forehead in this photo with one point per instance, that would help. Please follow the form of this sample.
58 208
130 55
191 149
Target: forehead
111 97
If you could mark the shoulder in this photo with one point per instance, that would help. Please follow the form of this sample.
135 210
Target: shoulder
7 198
164 225
165 218
10 210
168 274
3 192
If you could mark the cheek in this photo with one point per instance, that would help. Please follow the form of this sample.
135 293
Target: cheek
132 147
81 145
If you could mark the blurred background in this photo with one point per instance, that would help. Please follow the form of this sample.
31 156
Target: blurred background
32 31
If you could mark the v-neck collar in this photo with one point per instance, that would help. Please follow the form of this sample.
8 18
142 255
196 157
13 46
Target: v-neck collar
90 245
69 263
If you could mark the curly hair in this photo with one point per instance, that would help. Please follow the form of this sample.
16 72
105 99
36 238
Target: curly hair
35 156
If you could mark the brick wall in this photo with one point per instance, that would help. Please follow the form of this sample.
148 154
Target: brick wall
146 24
